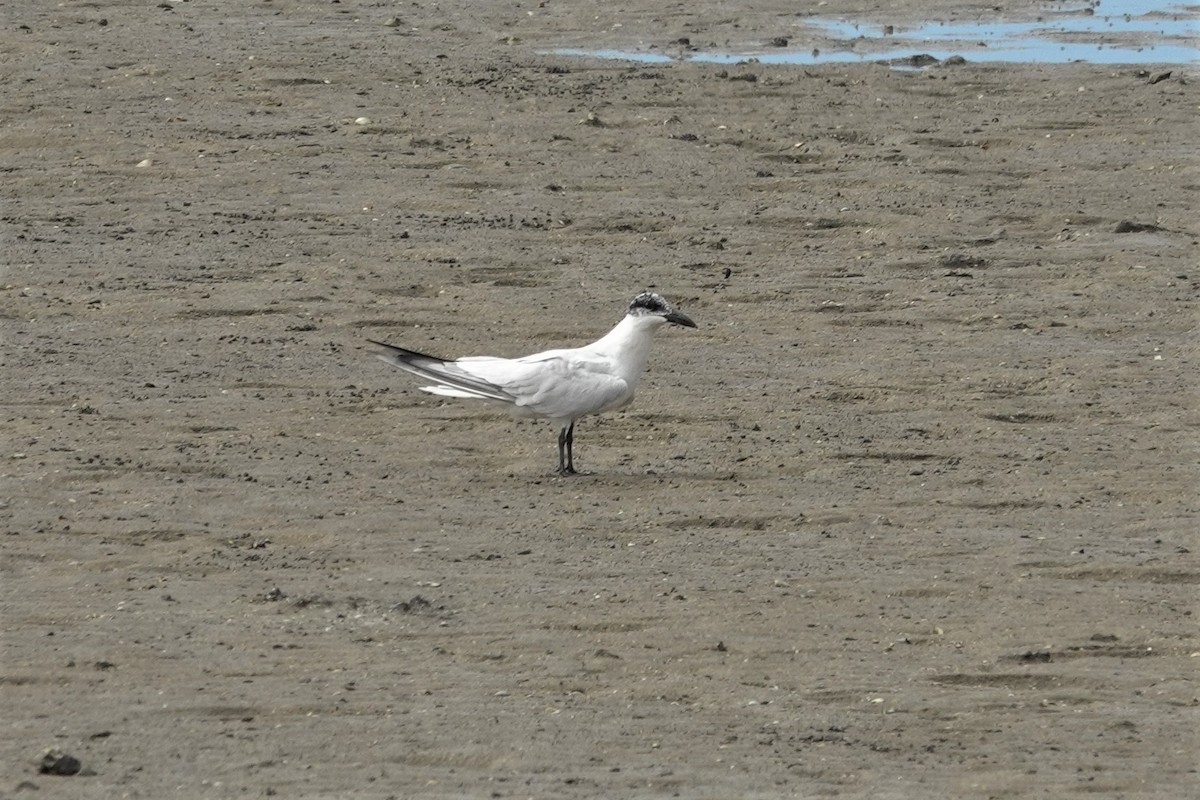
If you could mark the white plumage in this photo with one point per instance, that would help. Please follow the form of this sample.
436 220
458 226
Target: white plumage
558 385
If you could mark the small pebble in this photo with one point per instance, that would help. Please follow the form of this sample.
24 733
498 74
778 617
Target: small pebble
56 762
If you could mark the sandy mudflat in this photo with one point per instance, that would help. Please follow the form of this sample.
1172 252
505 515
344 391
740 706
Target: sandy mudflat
912 514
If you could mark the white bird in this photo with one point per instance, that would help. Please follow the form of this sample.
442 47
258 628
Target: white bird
558 385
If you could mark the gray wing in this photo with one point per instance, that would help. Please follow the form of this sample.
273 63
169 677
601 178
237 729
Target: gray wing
559 384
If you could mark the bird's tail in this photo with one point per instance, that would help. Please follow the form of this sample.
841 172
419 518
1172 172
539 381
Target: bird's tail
449 380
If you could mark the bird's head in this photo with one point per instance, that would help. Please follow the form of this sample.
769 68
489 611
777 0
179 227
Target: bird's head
652 305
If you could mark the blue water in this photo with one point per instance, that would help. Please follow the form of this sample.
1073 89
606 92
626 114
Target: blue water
1115 32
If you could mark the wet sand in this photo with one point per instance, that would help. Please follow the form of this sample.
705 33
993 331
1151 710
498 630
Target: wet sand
911 514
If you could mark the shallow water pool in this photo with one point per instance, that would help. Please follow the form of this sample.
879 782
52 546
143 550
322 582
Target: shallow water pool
1103 32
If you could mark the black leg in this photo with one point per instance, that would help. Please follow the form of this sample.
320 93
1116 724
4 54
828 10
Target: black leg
571 448
562 452
566 460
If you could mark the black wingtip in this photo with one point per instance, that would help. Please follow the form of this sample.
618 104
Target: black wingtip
404 351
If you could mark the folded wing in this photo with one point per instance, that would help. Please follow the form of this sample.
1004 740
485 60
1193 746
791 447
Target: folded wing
558 384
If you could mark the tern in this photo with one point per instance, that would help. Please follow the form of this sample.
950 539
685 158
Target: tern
558 385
